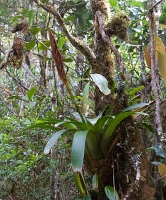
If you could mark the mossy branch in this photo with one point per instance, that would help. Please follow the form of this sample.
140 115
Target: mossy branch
78 44
107 40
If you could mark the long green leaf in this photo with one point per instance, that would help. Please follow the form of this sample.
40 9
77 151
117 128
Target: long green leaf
77 153
136 106
93 146
89 125
65 124
94 120
49 125
111 125
53 140
80 125
85 97
31 16
44 126
135 90
99 126
79 183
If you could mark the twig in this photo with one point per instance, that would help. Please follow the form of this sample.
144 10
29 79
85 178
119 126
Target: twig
42 44
107 40
17 82
153 7
8 107
78 44
159 178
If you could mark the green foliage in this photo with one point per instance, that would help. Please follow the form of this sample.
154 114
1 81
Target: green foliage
22 162
114 3
78 148
78 13
30 45
91 134
61 42
101 82
111 193
162 19
31 15
35 30
136 3
43 45
31 93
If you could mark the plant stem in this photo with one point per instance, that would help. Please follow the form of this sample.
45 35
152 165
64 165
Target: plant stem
74 102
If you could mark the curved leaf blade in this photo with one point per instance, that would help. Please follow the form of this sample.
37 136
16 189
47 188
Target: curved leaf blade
111 125
101 83
135 90
136 106
53 140
111 193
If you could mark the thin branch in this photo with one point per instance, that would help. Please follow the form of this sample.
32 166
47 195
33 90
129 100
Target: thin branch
151 9
78 44
8 107
107 40
151 110
16 81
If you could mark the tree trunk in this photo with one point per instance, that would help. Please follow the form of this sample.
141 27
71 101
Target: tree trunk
128 153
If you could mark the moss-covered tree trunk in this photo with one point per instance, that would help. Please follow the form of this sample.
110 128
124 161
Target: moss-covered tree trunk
126 167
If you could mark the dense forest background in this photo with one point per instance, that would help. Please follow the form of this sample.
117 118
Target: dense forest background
83 110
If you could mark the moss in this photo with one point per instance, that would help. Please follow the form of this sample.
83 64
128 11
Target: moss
104 7
118 26
14 57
